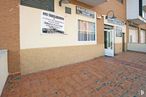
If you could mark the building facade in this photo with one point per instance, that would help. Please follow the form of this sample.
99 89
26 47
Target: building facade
136 28
41 37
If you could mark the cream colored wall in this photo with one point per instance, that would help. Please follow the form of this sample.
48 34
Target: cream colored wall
30 28
46 51
118 48
34 60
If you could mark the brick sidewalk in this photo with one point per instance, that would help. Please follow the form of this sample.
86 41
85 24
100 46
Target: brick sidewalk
121 76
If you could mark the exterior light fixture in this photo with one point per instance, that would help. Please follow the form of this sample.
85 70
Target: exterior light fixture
110 15
64 1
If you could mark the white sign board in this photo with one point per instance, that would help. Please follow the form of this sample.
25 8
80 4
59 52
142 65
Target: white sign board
85 12
51 23
115 21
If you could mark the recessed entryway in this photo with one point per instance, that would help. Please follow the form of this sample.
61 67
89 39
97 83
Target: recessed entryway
108 41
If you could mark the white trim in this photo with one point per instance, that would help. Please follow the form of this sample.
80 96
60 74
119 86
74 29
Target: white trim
3 69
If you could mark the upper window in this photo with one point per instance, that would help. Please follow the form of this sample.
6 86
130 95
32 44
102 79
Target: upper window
86 31
121 1
40 4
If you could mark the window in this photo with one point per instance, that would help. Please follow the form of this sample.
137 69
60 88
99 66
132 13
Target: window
133 35
40 4
142 9
67 10
121 1
86 31
142 36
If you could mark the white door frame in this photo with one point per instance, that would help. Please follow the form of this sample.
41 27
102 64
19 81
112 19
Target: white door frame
110 50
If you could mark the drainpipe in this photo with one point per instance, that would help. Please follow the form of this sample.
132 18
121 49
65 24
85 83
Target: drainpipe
123 42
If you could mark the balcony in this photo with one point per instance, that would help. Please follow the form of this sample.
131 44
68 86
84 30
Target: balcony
93 2
136 11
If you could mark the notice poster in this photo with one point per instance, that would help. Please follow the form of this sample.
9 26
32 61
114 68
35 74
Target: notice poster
51 23
118 31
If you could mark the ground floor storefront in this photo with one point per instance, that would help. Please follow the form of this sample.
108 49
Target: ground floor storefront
120 76
136 39
80 37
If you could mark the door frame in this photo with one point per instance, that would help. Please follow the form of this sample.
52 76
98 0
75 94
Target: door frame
113 42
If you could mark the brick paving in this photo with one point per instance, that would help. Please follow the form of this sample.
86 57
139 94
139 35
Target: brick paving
121 76
137 60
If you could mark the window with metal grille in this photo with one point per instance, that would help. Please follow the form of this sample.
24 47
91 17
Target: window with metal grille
86 31
40 4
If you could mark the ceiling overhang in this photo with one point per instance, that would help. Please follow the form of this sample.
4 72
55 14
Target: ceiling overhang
93 2
138 20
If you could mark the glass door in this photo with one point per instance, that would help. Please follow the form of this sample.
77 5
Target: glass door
109 42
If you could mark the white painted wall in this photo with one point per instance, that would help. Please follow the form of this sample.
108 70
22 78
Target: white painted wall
133 35
3 69
142 36
137 47
132 7
30 28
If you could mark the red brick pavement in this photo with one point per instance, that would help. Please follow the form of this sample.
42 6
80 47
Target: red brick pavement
121 76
